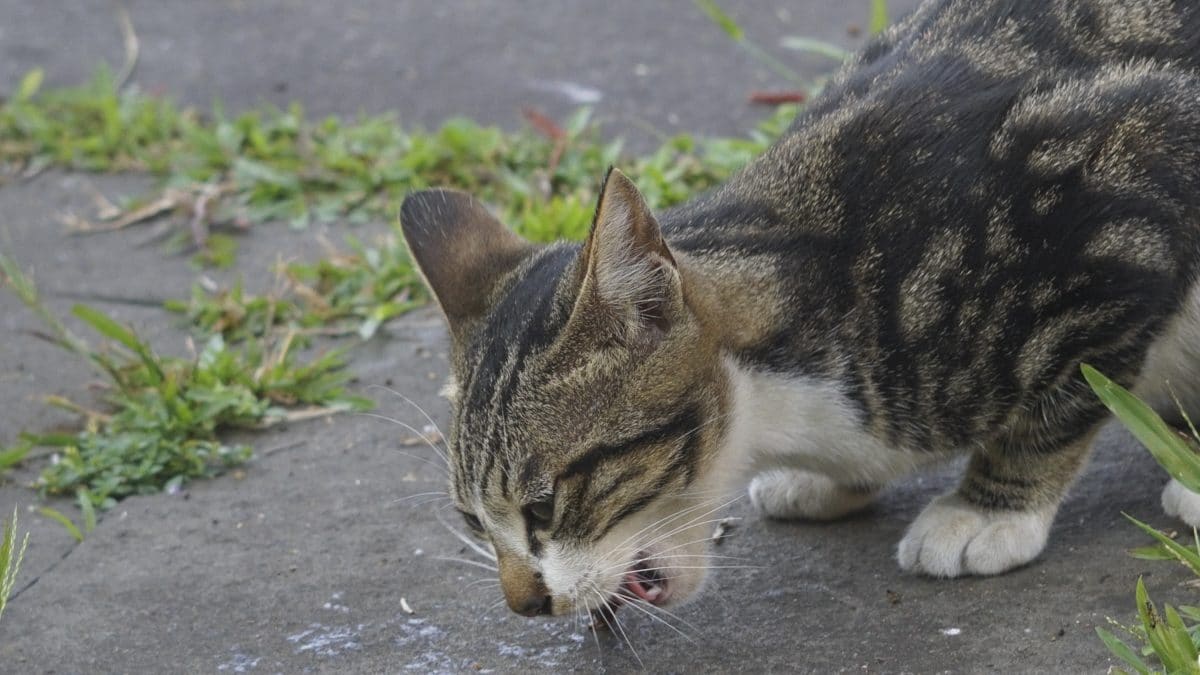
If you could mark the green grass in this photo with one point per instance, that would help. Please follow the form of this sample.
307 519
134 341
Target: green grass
545 188
1163 634
86 505
11 556
223 174
220 174
167 413
353 291
278 165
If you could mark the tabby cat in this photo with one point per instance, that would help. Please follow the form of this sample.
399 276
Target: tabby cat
988 195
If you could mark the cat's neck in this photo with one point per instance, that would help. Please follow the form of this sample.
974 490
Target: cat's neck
734 299
805 423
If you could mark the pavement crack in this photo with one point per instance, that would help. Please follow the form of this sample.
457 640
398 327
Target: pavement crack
54 565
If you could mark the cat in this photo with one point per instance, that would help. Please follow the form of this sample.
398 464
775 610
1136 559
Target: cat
989 194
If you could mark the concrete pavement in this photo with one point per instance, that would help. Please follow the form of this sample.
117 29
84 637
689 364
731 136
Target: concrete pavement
299 562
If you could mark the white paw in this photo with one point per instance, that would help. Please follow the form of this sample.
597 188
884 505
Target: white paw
791 494
1182 503
952 538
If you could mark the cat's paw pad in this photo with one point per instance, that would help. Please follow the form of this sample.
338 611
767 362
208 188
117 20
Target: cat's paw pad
791 494
953 537
1182 503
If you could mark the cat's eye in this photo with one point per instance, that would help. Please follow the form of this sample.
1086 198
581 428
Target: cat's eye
540 513
473 522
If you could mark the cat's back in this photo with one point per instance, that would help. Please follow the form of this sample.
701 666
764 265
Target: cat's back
1015 40
983 192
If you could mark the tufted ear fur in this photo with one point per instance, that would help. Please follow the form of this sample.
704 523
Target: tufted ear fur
629 275
461 249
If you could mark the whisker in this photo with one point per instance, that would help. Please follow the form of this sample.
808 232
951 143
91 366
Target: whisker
615 627
706 556
440 493
617 620
662 522
692 523
635 602
666 552
471 543
425 460
660 553
411 428
700 567
473 563
413 404
591 617
432 500
705 503
670 614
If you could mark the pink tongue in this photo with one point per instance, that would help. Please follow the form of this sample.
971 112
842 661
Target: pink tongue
634 583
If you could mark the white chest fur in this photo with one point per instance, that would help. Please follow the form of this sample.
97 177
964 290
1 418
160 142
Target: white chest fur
809 424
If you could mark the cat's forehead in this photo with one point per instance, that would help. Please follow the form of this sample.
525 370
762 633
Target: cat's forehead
526 318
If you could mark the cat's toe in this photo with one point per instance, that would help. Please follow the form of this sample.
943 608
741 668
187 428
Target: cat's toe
935 542
953 537
791 495
1182 503
1008 542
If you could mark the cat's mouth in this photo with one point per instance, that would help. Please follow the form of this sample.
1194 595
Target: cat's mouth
645 580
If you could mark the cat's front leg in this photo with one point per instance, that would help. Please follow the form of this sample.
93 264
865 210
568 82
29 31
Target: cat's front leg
794 494
998 519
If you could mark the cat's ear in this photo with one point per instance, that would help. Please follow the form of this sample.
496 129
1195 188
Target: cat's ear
629 274
461 249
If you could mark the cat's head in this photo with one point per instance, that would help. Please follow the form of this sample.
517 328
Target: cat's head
587 401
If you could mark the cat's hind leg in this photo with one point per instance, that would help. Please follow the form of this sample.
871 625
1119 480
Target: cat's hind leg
1170 384
1170 378
999 517
1182 503
794 494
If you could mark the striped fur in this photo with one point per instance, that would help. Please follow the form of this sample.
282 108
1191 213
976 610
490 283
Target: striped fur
989 194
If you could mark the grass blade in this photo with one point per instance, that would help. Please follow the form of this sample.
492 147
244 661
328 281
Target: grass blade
1152 553
723 20
879 16
13 456
30 84
57 516
89 511
819 47
1151 622
1123 651
1178 551
1170 449
1180 639
105 326
10 563
109 328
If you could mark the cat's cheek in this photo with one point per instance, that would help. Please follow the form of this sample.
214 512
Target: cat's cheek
687 584
571 578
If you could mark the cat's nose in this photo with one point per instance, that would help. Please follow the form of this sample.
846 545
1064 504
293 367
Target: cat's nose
523 586
531 605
